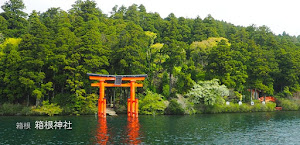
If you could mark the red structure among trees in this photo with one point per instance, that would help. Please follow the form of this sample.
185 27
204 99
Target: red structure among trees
132 109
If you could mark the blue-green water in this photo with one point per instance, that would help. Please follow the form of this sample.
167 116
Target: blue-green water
236 128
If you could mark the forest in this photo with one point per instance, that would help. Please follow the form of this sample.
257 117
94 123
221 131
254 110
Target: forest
192 64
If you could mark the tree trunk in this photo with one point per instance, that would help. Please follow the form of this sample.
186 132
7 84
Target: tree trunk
255 96
114 96
170 84
37 102
53 86
201 60
125 94
110 102
121 94
27 100
53 90
62 88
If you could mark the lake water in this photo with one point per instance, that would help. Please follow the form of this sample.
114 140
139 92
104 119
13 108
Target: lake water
236 128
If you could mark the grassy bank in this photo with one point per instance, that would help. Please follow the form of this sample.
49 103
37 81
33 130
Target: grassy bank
182 105
172 107
15 109
234 107
47 108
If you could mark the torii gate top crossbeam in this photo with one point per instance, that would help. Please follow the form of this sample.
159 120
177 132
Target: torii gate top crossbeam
123 76
102 77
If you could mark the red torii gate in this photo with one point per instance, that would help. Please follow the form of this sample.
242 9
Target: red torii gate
132 108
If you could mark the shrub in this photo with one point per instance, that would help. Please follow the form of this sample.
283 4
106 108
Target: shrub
216 108
26 111
121 109
166 90
174 108
232 107
49 109
207 92
89 104
10 109
220 100
67 110
256 101
199 108
244 108
189 107
62 99
270 106
288 104
256 107
152 104
263 107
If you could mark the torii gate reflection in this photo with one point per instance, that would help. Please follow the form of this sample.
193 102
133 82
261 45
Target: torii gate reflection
101 132
132 109
133 129
132 132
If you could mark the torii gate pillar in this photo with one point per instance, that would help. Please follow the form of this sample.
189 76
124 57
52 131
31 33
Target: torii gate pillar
132 102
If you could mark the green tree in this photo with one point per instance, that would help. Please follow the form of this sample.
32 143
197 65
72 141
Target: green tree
198 30
3 24
129 55
261 69
207 92
10 65
15 17
86 9
184 30
184 80
200 50
176 52
35 49
170 29
223 66
210 27
152 104
132 14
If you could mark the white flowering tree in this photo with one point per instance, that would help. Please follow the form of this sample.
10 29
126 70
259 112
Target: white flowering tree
207 91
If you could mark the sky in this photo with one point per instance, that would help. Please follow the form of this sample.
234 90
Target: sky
278 15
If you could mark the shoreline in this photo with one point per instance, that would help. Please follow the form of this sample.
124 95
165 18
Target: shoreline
47 109
117 114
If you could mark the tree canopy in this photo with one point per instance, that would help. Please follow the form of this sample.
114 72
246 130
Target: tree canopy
46 55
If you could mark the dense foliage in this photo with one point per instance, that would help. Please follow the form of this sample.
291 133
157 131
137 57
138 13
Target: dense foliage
174 108
208 92
49 109
234 107
152 104
44 56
